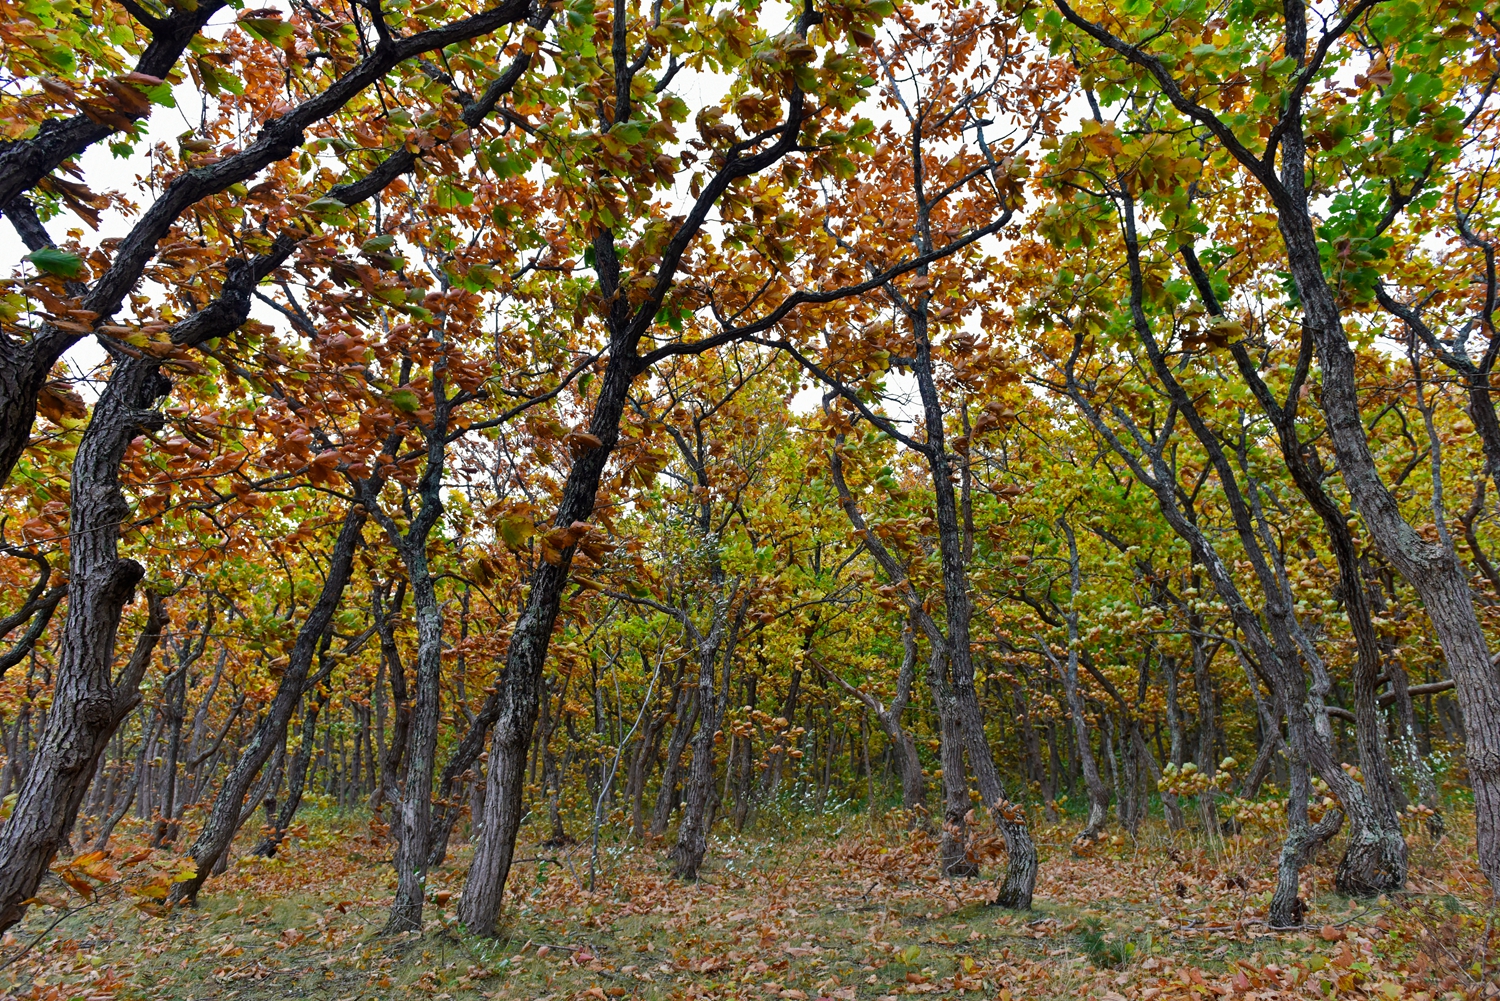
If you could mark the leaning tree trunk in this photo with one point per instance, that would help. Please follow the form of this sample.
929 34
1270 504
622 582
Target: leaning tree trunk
903 744
174 709
460 768
127 797
296 780
1433 570
1375 860
88 702
270 733
525 657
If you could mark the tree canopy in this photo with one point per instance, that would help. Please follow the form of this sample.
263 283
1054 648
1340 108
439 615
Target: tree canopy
584 423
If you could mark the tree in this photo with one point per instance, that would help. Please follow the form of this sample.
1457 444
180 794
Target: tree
1202 91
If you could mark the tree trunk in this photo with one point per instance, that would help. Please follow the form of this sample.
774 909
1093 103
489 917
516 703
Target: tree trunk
1021 865
744 765
87 702
692 833
526 655
102 841
413 826
666 795
296 779
953 844
778 753
646 753
390 655
270 732
174 712
1433 570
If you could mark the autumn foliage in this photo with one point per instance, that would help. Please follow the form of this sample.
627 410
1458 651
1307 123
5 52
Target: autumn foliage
1023 470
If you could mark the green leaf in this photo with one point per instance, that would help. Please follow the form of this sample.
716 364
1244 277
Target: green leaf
404 399
515 530
56 262
268 29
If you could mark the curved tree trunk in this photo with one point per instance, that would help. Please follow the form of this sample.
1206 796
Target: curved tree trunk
270 732
88 703
520 682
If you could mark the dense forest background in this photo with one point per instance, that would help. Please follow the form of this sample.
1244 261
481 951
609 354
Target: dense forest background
462 460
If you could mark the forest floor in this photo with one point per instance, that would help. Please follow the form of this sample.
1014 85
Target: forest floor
820 911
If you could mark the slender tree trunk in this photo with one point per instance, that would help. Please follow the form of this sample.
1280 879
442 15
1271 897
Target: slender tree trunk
136 775
270 733
1068 671
647 752
390 655
779 749
744 765
296 780
666 796
526 654
414 819
460 768
692 833
174 712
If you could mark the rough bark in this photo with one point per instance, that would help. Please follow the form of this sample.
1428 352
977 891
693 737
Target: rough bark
718 645
460 768
520 683
628 322
1433 569
1021 864
395 669
270 732
413 822
953 841
87 702
1375 860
